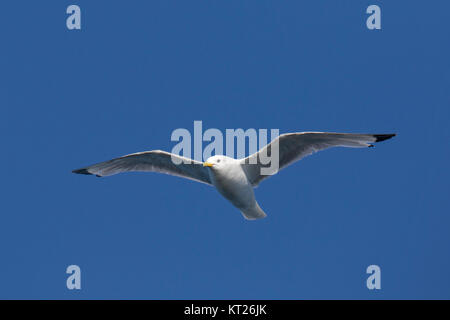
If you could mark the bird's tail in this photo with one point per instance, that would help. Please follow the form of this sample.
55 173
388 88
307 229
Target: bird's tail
253 213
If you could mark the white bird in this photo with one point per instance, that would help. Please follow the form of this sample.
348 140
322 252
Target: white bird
234 178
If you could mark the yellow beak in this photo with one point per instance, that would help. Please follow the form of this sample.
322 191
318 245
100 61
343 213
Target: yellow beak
207 164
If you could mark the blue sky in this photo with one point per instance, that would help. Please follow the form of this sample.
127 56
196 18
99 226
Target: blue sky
138 70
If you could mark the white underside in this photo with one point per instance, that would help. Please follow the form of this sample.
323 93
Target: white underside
233 184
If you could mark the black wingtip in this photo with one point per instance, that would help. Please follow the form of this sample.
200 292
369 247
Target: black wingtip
382 137
81 171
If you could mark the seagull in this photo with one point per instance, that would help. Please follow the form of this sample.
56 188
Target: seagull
234 178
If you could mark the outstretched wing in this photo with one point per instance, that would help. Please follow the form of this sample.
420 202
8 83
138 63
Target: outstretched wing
151 161
295 146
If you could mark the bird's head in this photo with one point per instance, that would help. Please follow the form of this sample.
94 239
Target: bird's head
217 162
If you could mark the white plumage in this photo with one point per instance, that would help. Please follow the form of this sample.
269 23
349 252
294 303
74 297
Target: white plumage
235 178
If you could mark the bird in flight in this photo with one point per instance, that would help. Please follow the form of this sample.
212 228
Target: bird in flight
234 178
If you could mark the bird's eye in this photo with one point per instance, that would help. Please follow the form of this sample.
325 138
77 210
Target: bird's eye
218 160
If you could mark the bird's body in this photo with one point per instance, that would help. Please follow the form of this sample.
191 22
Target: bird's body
235 178
230 180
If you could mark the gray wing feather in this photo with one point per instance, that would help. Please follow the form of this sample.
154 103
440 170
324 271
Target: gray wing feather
150 161
295 146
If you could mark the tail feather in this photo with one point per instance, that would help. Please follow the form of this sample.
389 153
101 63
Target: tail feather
253 213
